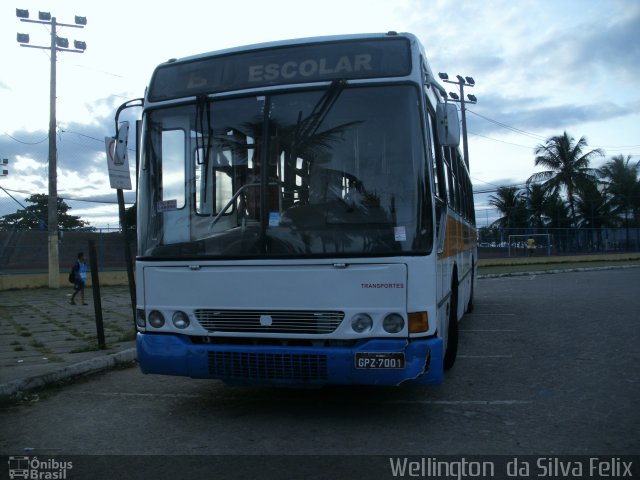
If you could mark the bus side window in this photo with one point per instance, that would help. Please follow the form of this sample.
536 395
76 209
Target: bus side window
439 176
438 165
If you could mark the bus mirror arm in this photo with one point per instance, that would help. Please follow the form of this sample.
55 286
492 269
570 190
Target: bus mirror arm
441 90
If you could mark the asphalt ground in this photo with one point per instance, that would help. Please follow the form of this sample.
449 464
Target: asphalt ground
547 372
45 340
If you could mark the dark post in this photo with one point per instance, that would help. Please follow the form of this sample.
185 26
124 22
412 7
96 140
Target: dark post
127 254
97 304
52 216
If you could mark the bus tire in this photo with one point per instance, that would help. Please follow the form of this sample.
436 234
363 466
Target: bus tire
452 330
470 304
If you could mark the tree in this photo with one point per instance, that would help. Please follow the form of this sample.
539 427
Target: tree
511 204
35 216
557 211
537 204
592 206
130 215
567 167
622 185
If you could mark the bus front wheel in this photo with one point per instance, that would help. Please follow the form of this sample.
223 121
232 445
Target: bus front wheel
452 330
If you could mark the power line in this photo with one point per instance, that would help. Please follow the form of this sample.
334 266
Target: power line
26 143
508 127
501 141
536 136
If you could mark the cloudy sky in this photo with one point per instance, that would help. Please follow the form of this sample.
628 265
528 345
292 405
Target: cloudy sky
541 67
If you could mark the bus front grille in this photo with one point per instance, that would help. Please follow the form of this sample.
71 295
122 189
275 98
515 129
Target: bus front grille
267 366
269 321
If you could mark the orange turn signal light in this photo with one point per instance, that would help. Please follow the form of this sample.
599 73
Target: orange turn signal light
418 322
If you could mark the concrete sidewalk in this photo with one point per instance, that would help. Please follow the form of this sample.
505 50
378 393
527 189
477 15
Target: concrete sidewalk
44 339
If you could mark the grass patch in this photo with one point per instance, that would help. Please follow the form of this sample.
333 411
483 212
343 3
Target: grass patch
92 347
537 264
127 337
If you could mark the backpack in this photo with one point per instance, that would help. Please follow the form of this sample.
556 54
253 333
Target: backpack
72 275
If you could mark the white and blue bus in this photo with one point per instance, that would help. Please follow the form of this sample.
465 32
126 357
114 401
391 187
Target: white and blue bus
304 216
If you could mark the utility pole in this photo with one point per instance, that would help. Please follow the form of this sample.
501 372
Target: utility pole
462 82
57 44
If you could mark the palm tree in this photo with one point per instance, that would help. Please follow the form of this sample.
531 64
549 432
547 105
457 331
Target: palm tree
511 204
567 167
592 206
557 212
537 202
593 211
622 184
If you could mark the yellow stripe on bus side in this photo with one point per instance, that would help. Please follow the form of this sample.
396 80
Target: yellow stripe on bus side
459 237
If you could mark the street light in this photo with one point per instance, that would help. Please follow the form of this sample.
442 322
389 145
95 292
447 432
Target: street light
58 44
462 82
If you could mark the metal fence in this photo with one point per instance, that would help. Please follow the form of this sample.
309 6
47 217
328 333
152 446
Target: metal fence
27 251
495 242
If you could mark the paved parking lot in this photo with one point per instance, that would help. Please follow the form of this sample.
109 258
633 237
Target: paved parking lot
547 366
42 335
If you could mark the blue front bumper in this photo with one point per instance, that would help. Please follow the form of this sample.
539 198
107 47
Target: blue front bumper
168 354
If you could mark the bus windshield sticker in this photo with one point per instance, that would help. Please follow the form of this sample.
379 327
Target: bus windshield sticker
400 234
166 205
274 219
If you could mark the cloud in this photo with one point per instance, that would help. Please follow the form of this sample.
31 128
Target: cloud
535 114
602 46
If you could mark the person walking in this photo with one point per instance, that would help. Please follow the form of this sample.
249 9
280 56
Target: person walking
80 279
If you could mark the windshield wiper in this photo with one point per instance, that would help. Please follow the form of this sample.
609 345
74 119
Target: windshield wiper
202 109
307 127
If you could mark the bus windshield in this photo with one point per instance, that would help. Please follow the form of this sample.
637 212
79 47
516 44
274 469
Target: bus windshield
332 172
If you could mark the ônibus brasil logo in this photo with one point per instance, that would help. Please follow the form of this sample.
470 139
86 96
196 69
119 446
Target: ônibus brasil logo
35 469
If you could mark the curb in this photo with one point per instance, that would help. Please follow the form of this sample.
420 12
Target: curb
93 365
564 270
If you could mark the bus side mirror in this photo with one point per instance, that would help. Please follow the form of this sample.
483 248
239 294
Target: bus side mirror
120 154
448 125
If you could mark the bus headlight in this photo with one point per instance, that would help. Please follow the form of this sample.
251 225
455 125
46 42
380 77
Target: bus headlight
393 323
180 320
361 323
156 319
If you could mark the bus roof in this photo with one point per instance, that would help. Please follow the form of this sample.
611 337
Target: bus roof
294 41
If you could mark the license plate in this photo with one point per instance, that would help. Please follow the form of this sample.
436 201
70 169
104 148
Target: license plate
379 360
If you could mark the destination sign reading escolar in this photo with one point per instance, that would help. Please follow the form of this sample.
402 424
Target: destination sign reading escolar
310 67
348 59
